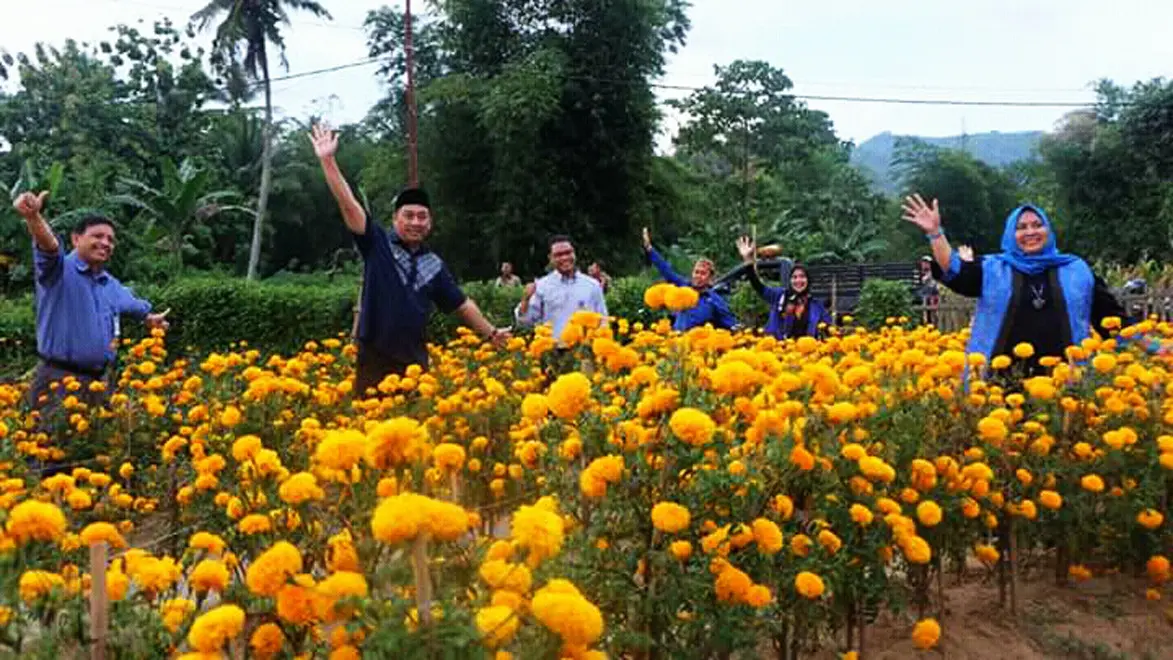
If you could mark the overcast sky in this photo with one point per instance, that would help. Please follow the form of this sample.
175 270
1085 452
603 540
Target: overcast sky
990 50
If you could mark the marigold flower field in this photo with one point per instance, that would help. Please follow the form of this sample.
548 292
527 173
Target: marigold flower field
698 495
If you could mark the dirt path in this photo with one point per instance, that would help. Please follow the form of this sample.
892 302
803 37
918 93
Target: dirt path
1102 619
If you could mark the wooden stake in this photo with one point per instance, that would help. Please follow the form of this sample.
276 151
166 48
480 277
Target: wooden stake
423 579
99 602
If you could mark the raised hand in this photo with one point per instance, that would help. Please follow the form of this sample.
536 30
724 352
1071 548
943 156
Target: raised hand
325 141
647 239
916 211
500 338
530 289
745 248
29 205
965 252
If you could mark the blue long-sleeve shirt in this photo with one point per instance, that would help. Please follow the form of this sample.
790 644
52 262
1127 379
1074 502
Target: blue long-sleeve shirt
781 325
78 309
710 308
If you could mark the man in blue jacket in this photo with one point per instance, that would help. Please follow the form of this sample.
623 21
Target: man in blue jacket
711 308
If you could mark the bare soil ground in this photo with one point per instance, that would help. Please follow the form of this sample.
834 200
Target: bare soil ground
1103 619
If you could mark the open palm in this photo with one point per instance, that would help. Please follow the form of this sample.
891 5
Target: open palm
325 141
916 211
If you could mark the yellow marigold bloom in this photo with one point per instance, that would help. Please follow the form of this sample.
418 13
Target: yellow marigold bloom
808 585
992 430
830 542
1158 568
175 611
340 450
732 585
758 596
212 630
255 523
38 584
680 298
448 456
655 294
534 407
853 451
842 413
801 544
209 575
246 447
681 550
117 583
341 555
1104 362
1092 483
270 571
916 549
295 602
1079 572
501 574
336 587
692 426
928 513
1150 518
404 516
876 469
861 514
801 458
266 641
783 506
767 535
300 488
926 633
987 554
539 529
569 396
1049 499
670 517
1023 350
395 442
560 607
497 625
102 531
79 500
35 521
1000 362
230 417
207 542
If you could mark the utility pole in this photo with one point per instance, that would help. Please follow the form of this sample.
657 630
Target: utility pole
412 129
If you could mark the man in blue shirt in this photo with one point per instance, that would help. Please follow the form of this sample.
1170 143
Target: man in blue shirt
711 306
78 304
553 299
402 279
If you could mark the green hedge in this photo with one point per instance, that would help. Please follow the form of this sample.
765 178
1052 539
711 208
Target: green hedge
210 313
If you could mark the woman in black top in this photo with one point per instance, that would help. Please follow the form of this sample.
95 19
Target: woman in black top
1030 292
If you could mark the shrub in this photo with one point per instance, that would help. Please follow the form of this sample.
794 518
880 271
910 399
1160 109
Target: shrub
883 299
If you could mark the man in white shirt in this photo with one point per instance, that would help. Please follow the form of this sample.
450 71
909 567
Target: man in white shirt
554 298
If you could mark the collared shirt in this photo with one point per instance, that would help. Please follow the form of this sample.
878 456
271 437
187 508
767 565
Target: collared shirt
78 309
557 297
400 288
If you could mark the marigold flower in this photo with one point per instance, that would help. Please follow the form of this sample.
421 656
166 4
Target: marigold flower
497 625
692 426
212 630
395 442
767 535
809 585
560 607
670 517
926 633
209 575
270 571
102 532
1150 518
569 396
267 640
35 521
300 488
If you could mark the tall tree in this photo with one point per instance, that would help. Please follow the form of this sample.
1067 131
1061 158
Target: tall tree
249 27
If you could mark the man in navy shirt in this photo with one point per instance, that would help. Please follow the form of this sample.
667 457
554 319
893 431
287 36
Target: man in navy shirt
78 303
711 307
402 279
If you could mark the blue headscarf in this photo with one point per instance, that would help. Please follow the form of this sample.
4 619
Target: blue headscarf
1030 264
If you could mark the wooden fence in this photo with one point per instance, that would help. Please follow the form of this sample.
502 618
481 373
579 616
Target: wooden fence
955 313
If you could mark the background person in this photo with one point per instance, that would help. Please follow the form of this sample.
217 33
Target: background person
711 306
78 304
402 279
556 296
596 271
507 278
794 312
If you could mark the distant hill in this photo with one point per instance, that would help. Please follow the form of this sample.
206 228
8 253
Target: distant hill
874 156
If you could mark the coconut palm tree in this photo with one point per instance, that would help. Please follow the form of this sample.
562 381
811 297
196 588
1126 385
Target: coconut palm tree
248 28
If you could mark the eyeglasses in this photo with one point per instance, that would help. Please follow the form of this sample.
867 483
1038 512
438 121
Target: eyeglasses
562 253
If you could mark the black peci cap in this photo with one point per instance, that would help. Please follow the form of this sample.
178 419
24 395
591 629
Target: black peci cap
413 196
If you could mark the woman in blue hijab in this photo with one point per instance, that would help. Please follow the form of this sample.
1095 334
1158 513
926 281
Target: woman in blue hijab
794 312
1030 292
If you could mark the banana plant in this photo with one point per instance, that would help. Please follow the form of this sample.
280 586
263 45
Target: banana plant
176 209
